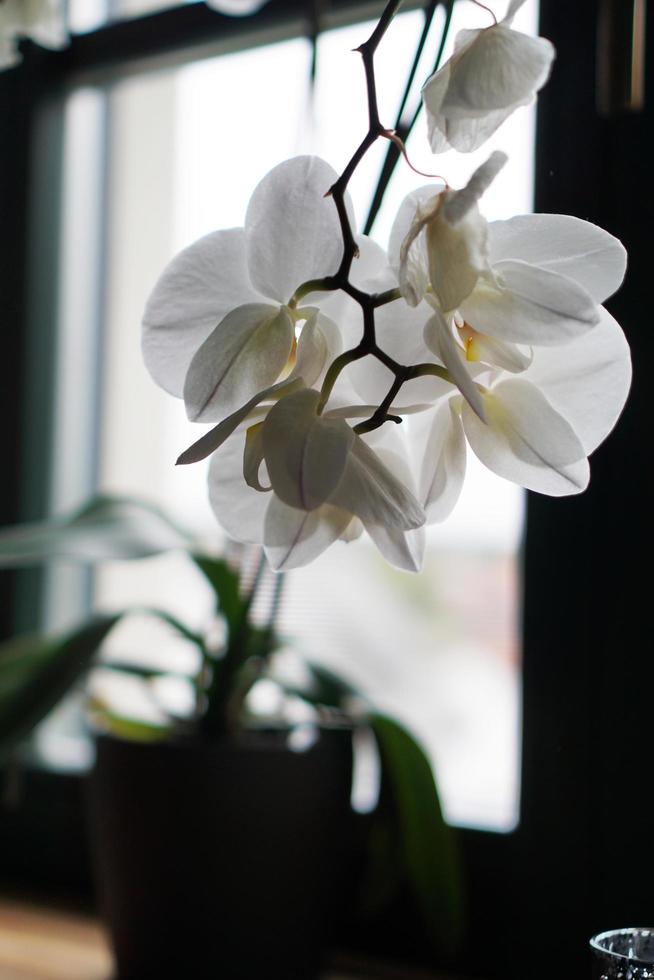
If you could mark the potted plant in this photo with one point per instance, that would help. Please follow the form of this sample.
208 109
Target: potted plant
219 828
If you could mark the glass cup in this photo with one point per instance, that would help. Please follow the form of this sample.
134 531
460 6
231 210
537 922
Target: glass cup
623 954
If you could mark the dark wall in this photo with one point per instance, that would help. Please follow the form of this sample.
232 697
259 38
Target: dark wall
589 672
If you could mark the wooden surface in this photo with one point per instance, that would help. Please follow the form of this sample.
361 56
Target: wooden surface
42 944
39 943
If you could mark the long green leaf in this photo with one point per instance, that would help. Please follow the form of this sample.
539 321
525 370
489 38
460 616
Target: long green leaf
408 838
120 726
328 689
36 672
176 624
108 528
226 585
428 849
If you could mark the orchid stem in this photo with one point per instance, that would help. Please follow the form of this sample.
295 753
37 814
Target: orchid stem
340 280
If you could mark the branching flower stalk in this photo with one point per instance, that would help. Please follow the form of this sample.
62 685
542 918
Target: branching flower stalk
368 302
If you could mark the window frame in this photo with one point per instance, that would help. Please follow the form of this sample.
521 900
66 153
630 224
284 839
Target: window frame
564 872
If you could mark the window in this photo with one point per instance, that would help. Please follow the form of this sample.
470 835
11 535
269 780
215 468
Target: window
144 174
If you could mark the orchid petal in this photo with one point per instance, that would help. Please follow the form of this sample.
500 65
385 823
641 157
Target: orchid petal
459 203
513 8
239 509
467 133
292 230
403 549
253 457
305 453
365 411
531 306
587 381
194 292
417 200
474 92
369 262
371 492
246 352
293 538
510 357
575 248
352 532
527 441
438 337
443 460
500 68
433 94
319 344
214 438
457 252
413 267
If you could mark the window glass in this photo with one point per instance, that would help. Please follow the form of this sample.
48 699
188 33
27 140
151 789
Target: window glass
88 15
186 147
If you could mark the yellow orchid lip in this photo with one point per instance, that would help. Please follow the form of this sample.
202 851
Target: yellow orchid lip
469 337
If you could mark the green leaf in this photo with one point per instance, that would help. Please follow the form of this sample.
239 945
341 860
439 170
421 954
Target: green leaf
176 625
36 672
328 688
145 673
226 584
427 846
260 641
126 728
107 528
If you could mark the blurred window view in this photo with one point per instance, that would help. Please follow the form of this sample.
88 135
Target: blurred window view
177 153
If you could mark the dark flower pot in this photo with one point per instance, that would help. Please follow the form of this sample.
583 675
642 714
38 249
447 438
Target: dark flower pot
226 860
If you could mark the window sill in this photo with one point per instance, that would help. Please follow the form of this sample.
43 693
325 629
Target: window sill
41 943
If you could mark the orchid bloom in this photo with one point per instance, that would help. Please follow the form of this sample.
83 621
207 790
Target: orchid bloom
442 257
540 426
536 280
43 21
297 481
549 365
220 331
492 72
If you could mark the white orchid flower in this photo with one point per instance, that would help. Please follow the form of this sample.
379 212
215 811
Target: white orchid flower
540 426
445 246
296 482
251 375
442 256
492 72
218 329
544 279
44 21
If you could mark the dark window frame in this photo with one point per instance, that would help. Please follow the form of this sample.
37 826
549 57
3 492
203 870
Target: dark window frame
581 859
